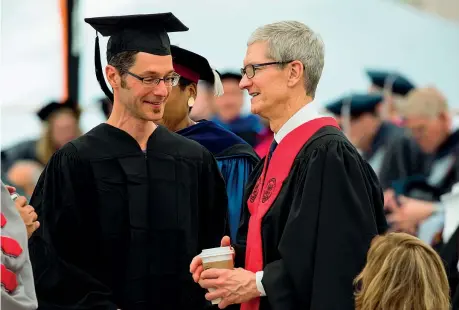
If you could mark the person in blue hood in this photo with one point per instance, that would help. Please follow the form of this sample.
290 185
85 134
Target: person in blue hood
235 157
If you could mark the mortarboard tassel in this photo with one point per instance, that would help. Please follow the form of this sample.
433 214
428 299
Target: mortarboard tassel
99 73
218 86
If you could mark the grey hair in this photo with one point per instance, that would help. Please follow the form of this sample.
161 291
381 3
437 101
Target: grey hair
292 40
423 102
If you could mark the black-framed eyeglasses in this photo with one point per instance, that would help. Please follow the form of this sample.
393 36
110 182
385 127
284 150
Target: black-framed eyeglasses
249 70
171 80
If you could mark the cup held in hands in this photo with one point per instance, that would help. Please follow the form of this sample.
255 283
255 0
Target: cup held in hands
221 258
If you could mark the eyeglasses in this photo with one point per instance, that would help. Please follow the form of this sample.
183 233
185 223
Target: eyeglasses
249 70
171 80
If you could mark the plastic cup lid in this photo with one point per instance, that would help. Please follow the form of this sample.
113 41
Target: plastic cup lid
216 251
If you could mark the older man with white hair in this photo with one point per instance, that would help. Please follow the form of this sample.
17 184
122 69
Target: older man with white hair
313 205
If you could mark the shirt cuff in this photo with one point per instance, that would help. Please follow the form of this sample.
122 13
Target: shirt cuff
258 277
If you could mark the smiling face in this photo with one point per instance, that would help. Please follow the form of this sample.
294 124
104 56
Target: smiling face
269 87
141 101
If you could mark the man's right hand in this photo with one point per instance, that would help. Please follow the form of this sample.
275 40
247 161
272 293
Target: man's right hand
28 215
196 264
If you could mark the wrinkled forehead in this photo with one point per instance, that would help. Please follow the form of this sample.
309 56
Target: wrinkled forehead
256 53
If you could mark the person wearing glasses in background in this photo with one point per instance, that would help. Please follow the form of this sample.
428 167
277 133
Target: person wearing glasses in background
125 207
314 206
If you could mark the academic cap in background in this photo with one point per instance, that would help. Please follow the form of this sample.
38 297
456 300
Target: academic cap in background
45 112
392 81
354 104
194 67
146 33
230 75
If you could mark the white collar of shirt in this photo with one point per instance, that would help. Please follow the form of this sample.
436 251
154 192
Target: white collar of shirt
303 115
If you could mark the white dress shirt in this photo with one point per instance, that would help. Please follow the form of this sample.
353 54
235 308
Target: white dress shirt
303 115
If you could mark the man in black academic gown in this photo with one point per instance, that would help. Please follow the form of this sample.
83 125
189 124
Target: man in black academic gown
124 208
427 117
313 205
387 148
418 207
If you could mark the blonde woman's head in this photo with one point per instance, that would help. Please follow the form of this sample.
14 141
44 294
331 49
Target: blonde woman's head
402 273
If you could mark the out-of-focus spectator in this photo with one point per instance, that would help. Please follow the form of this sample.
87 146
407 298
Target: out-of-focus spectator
229 109
22 163
402 272
428 119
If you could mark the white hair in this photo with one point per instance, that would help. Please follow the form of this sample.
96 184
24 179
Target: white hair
423 102
292 40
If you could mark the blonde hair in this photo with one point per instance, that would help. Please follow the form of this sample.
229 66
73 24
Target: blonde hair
402 273
45 146
423 102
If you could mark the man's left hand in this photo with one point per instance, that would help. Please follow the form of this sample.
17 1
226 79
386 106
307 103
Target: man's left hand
233 286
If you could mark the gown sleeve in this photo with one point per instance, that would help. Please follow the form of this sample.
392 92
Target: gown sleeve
214 206
403 159
64 192
336 210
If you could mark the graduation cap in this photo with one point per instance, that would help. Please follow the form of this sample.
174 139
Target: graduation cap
355 104
146 33
392 81
45 112
229 75
194 67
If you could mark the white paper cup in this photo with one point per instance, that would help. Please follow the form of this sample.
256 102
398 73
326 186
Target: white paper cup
220 258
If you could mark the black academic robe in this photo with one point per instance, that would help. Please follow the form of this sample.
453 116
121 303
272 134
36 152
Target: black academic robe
119 226
441 173
394 155
316 234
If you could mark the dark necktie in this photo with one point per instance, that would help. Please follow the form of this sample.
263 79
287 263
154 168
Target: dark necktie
271 150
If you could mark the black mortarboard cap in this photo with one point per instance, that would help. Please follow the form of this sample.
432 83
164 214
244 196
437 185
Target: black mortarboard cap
229 75
45 112
357 104
146 33
194 67
191 66
395 82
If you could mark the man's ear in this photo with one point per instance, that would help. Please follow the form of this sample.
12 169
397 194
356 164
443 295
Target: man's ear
295 72
113 76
